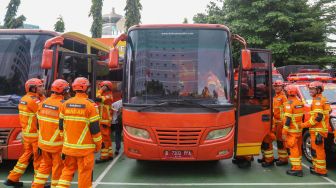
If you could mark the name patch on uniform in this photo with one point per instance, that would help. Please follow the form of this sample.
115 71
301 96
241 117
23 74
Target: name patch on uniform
317 103
299 106
23 102
279 99
70 105
50 107
287 107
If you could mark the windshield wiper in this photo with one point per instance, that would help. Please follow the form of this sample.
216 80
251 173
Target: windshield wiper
333 103
151 106
200 105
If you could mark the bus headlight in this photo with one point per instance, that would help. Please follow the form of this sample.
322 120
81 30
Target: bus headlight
219 133
333 123
19 136
140 133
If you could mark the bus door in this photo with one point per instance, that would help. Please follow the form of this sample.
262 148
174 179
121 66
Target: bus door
254 104
73 65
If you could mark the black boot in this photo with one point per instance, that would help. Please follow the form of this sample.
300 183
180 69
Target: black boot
266 164
298 173
47 185
116 152
13 184
260 160
101 161
281 163
312 171
244 164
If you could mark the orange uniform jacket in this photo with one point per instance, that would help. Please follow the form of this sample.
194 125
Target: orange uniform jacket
319 116
105 107
50 139
27 109
294 112
79 119
278 107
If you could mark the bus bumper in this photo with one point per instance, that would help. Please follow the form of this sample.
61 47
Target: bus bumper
214 150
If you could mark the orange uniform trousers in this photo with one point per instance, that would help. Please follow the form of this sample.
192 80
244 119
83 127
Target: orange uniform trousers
294 144
106 151
30 149
51 162
84 165
318 155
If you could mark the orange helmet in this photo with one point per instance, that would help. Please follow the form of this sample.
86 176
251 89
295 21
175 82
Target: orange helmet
60 86
291 90
80 84
108 84
316 85
278 83
33 82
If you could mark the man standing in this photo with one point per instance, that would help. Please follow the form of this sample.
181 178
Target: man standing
28 107
50 139
278 113
105 98
292 131
79 120
318 127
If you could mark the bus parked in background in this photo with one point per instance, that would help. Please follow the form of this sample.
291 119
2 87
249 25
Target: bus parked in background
21 54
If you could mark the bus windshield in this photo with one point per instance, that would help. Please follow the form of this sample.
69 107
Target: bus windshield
329 92
178 64
20 59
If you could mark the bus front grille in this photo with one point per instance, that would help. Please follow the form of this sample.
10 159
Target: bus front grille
178 137
4 134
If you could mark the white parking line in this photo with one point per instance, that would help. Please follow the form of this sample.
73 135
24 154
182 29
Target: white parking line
214 184
107 169
328 179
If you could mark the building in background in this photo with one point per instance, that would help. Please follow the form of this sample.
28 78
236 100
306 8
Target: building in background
113 24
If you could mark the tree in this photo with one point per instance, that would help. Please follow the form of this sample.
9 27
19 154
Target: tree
59 25
96 13
185 21
10 21
132 13
295 31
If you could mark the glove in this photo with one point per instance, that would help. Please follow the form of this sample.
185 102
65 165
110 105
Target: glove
319 139
63 156
39 151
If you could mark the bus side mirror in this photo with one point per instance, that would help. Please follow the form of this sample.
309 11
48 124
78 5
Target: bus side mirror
113 58
246 59
47 58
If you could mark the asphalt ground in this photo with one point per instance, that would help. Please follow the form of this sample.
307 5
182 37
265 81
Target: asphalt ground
129 173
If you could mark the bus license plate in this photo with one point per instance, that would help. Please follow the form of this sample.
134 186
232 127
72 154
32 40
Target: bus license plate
178 154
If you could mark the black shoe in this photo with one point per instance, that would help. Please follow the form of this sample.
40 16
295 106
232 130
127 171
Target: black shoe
110 158
318 174
116 152
281 163
47 185
266 164
298 173
244 164
13 184
260 160
101 160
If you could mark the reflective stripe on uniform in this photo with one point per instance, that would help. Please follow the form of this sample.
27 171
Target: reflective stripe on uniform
84 132
79 146
94 118
21 165
30 134
18 170
50 143
75 118
97 139
51 120
39 175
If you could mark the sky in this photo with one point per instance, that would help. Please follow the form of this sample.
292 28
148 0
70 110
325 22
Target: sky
44 13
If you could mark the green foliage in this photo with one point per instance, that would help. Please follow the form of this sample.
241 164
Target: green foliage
96 13
132 13
59 25
296 31
10 21
185 21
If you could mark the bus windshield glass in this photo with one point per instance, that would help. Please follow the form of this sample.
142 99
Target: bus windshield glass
178 64
20 59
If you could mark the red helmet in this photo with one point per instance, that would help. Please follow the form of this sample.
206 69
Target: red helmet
80 84
278 83
316 85
33 82
60 86
291 90
108 84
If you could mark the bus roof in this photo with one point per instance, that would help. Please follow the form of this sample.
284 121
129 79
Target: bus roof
68 35
189 26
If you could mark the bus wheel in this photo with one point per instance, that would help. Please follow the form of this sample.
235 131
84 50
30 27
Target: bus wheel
307 146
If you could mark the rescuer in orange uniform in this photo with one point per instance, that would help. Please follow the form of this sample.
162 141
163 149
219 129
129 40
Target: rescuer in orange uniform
278 113
79 121
28 107
292 131
50 138
318 127
105 99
